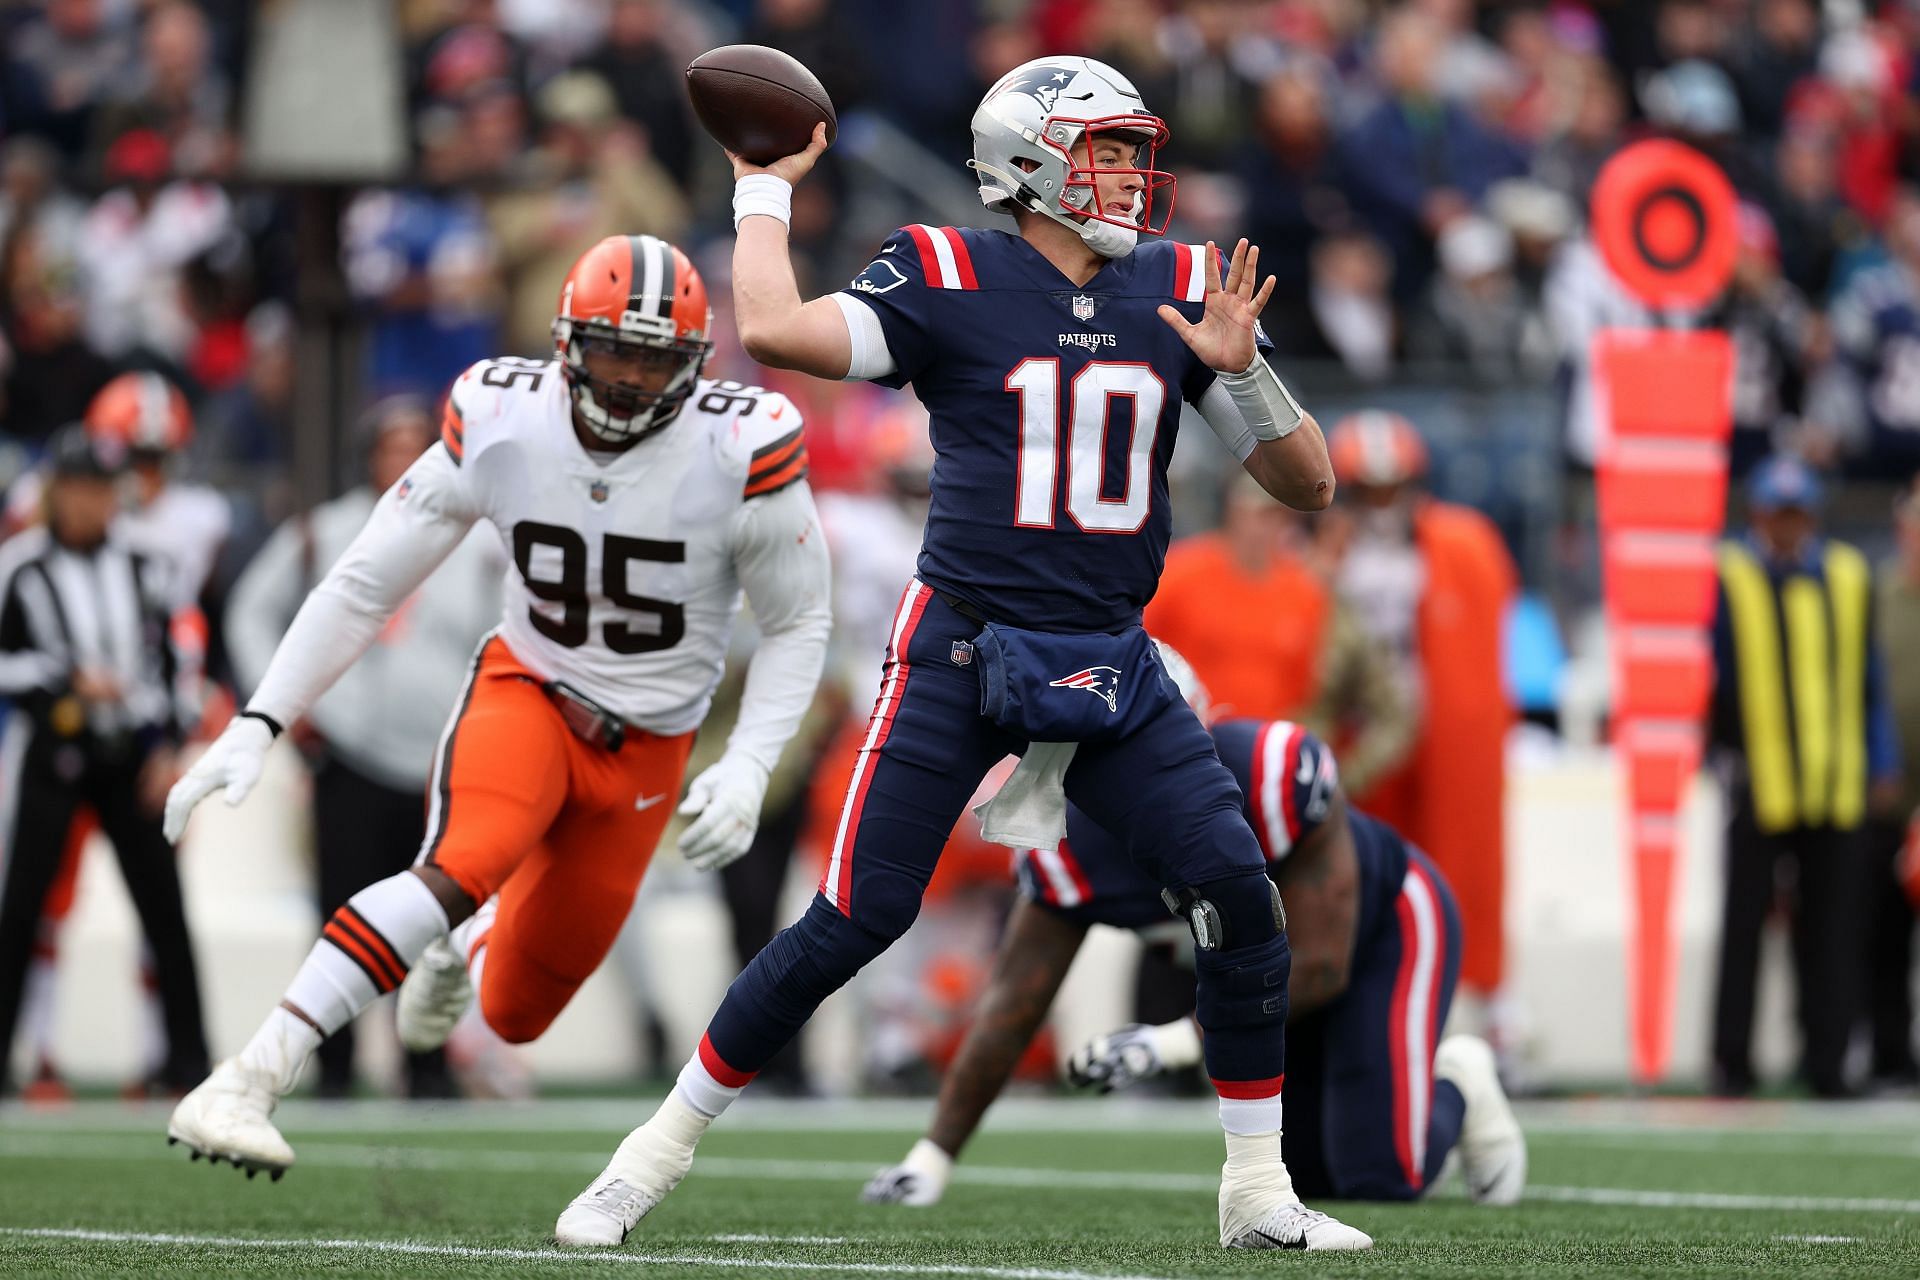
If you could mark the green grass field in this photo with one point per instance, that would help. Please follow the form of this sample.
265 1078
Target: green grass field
1054 1190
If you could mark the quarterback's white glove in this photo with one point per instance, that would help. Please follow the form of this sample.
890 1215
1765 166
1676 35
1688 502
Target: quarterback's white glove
233 762
724 803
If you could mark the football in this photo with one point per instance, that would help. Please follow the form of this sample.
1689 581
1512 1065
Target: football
757 102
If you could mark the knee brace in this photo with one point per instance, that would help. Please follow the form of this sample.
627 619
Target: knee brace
1240 911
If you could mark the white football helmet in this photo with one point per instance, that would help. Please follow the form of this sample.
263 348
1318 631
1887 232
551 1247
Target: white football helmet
1186 680
1033 149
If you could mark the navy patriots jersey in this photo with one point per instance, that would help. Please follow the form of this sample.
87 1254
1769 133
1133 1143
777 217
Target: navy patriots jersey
1054 408
1288 780
1876 322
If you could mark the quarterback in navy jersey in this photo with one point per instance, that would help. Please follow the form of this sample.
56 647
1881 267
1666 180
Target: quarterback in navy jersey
1053 360
1375 1105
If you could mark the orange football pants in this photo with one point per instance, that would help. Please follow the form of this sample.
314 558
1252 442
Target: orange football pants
561 830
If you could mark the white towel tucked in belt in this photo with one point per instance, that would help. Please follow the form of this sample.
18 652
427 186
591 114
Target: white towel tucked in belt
1030 809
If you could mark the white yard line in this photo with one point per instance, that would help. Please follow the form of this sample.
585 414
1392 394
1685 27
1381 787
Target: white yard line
1641 1199
620 1257
355 1156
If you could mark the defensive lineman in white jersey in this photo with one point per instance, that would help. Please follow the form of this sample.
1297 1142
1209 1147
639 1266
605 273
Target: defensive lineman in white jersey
636 500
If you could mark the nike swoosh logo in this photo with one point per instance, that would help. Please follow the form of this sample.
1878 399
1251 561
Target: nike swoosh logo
647 802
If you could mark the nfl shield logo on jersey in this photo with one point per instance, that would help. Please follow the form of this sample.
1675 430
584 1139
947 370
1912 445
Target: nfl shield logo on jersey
597 491
962 653
1082 307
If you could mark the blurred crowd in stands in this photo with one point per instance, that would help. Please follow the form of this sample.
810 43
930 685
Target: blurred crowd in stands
1415 173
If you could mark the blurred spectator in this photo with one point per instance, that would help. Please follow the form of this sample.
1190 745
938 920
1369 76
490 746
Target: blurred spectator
1808 211
1695 102
462 50
1569 159
422 261
494 114
1876 323
1431 583
87 654
372 735
1416 161
1803 734
251 425
1772 53
646 79
1349 314
1289 649
1777 341
1216 58
813 32
1856 99
135 244
1475 315
32 198
176 90
59 66
591 177
1890 959
1469 69
48 372
1292 179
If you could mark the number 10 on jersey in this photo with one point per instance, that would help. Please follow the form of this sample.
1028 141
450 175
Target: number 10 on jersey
1090 398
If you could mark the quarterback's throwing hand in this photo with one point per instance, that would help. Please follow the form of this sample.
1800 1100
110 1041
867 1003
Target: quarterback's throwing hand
1223 339
724 803
233 761
790 168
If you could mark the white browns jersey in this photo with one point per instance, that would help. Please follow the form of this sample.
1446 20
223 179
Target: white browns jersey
626 570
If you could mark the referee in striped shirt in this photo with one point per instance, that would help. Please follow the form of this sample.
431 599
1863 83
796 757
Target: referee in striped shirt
86 655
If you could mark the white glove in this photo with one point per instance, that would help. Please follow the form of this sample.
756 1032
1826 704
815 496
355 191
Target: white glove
233 762
919 1180
1116 1060
724 803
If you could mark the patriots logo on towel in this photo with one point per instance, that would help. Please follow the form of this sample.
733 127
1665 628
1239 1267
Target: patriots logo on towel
1102 682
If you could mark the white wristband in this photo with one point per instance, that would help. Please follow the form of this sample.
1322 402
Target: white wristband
762 193
1269 409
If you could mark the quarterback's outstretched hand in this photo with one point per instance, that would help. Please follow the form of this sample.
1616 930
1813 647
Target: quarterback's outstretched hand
790 168
1224 337
233 761
724 803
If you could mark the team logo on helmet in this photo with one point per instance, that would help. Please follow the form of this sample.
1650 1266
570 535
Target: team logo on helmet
1042 83
1102 682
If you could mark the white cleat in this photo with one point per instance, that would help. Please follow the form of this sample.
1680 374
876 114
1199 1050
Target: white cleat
435 993
226 1118
1294 1226
648 1165
898 1184
1492 1150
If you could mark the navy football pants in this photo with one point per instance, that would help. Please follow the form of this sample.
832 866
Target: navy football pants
1162 791
1365 1118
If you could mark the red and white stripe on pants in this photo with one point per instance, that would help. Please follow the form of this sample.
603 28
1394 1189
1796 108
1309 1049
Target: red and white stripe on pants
1413 1028
837 882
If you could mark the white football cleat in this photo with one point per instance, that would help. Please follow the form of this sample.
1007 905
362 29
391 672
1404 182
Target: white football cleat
649 1164
1260 1210
435 993
226 1118
1492 1150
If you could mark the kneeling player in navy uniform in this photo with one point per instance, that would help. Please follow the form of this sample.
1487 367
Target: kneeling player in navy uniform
1373 1110
1053 362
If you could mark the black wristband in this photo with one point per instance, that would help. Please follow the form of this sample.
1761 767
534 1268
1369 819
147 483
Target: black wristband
273 726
